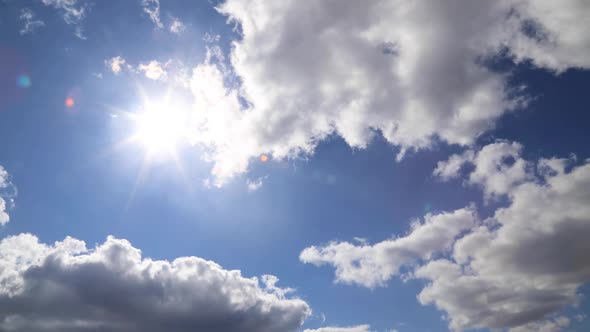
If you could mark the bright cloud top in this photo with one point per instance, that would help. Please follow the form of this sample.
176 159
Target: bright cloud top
497 275
67 287
354 68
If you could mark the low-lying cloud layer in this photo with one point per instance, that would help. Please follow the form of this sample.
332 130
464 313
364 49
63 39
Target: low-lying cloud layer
67 287
515 269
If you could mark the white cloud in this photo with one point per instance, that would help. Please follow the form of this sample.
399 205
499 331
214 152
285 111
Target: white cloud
374 265
527 261
7 192
27 16
67 287
498 167
152 9
354 68
254 185
154 70
559 39
177 26
4 217
116 64
73 12
515 270
359 328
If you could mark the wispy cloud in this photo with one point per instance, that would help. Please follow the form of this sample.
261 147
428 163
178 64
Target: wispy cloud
28 18
152 9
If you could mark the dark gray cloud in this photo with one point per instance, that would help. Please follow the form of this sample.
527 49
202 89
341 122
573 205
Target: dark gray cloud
65 287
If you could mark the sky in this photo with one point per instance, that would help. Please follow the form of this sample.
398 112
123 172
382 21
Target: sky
294 166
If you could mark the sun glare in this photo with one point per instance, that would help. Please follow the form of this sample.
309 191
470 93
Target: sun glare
160 128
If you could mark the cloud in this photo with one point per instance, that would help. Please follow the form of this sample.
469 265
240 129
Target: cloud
27 16
549 35
7 192
527 261
357 70
254 185
514 270
498 167
177 26
67 287
154 70
373 265
4 217
553 325
73 13
117 64
152 9
359 328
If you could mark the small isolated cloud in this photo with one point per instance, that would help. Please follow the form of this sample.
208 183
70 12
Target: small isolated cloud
359 328
177 26
28 18
116 64
154 70
256 184
68 287
7 195
152 9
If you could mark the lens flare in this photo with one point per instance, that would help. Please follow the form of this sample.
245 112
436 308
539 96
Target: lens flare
70 102
264 158
23 81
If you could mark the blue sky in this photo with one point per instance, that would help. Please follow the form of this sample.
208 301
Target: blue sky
425 169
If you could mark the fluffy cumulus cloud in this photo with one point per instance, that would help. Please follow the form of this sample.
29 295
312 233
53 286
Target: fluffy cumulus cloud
498 167
373 265
359 328
515 270
528 260
30 24
354 69
67 287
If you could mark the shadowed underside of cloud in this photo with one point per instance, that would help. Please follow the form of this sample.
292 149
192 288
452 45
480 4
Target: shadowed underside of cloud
359 328
66 287
517 269
413 71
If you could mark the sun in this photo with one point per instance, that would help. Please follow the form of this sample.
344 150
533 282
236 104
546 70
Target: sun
160 128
